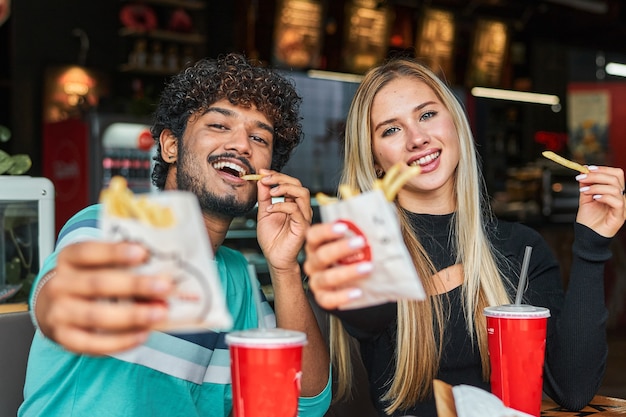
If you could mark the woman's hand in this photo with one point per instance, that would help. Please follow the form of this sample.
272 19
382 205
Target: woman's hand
602 204
333 284
95 304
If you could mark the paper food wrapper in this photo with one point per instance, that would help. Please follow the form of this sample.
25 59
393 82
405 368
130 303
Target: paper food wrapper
475 402
394 277
182 251
470 401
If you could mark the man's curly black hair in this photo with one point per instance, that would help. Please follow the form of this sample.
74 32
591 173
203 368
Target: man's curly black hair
243 83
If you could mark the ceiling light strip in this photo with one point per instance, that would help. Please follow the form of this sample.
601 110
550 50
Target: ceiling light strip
335 76
515 96
613 68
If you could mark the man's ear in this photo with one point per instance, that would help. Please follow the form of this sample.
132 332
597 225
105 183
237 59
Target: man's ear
169 146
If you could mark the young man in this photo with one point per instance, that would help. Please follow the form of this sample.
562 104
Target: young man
216 121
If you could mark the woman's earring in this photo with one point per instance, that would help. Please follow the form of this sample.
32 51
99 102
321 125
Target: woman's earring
379 173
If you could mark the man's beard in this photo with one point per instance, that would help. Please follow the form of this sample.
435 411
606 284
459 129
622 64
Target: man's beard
210 203
225 206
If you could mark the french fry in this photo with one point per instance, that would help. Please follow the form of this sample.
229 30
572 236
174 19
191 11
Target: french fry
392 190
346 191
324 199
565 162
391 175
252 177
119 201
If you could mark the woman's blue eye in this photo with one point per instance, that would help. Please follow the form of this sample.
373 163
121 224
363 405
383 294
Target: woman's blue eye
428 115
389 131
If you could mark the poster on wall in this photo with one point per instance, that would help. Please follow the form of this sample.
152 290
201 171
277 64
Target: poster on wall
588 120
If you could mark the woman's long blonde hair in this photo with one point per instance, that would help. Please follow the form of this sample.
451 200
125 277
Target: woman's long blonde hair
421 324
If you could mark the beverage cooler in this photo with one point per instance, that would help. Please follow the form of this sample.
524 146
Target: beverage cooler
81 155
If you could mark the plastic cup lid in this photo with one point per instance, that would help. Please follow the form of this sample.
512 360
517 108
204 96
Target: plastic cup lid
516 311
266 337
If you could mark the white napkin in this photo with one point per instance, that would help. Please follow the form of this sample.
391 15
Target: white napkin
474 402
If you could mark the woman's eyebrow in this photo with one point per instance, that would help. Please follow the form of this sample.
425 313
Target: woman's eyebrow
389 121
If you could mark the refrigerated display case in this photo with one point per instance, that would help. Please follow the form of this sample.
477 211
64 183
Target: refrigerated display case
27 232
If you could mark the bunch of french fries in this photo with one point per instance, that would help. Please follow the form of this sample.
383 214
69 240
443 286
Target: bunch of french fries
119 201
390 184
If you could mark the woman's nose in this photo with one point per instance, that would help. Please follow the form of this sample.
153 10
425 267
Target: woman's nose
416 137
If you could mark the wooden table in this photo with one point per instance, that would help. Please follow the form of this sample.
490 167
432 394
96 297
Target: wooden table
13 308
599 406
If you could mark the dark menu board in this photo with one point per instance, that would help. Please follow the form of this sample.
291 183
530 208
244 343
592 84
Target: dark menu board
435 42
366 39
491 40
297 34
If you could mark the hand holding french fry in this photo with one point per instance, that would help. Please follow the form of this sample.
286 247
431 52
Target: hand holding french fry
601 204
284 215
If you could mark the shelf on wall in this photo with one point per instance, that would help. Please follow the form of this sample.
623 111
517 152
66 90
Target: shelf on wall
146 70
164 35
185 4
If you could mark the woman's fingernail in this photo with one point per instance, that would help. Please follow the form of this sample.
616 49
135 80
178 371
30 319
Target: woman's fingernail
583 189
355 293
340 228
365 267
597 196
581 177
592 168
356 242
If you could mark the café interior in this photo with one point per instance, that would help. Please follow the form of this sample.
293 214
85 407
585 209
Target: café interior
100 63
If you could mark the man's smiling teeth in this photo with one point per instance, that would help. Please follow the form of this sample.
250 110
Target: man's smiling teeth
220 165
426 159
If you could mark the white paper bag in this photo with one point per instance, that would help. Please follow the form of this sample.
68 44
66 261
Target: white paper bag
183 251
394 277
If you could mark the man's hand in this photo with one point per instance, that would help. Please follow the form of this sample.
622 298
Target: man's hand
282 226
95 304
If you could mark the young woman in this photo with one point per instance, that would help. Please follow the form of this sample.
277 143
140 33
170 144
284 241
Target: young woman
466 258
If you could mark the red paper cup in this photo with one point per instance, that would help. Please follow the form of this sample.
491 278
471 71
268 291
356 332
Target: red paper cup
517 342
266 368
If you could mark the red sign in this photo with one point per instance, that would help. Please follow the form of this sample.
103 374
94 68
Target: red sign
65 164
